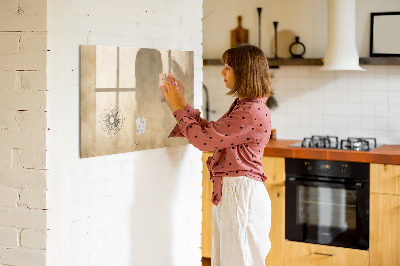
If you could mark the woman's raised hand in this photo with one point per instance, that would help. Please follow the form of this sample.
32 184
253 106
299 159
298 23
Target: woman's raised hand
171 93
181 89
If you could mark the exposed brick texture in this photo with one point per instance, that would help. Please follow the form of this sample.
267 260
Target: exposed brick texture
93 201
23 125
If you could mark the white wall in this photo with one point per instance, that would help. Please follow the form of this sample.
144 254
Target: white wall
311 102
220 17
140 208
306 19
343 104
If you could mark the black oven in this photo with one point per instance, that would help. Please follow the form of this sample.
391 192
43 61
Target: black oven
327 202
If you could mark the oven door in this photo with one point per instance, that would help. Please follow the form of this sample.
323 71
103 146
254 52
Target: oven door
327 213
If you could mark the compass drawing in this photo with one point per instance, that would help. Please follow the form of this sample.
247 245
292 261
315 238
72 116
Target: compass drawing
111 120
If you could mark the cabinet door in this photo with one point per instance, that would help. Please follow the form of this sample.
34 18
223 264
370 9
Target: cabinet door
384 230
385 178
277 233
274 168
304 254
206 226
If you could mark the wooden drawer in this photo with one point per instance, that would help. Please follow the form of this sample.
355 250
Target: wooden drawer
304 254
385 178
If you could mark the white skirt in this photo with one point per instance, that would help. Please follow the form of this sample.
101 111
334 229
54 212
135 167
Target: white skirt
241 223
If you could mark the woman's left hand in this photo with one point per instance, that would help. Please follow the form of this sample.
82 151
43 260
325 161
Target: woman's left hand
171 95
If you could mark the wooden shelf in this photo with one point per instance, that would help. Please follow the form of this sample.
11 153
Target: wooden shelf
212 62
380 61
274 63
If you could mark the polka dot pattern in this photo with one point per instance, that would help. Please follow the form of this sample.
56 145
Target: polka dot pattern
238 139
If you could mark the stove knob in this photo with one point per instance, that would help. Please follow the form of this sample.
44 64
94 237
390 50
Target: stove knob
343 168
308 166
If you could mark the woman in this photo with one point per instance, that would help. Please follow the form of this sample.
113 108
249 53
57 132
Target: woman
242 208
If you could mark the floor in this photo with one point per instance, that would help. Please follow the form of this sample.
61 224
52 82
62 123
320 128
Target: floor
206 261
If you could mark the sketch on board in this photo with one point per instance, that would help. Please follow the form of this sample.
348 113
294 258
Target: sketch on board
112 120
121 107
141 126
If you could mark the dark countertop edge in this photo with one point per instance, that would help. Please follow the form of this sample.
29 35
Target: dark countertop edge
386 154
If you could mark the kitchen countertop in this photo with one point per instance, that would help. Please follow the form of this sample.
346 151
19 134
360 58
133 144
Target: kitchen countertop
389 154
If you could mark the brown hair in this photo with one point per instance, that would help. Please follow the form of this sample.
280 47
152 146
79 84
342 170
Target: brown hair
250 66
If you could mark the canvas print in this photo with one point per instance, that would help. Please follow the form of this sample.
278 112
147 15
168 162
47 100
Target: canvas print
122 108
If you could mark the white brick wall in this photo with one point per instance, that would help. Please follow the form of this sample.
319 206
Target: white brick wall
100 207
23 178
33 239
9 237
8 197
23 132
23 256
140 208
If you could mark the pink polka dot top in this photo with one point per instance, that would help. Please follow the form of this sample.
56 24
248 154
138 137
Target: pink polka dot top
238 139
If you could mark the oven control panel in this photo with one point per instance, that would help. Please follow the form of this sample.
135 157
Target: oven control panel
337 169
325 167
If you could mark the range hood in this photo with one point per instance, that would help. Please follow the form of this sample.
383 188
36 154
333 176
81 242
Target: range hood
341 51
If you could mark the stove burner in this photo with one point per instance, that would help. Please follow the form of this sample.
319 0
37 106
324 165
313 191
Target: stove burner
358 144
332 142
328 142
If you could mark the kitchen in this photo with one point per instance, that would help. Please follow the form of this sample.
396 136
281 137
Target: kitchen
100 209
315 103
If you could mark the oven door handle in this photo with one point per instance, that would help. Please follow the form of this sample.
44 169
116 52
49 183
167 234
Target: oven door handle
352 185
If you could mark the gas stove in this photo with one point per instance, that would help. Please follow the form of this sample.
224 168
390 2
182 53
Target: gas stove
332 142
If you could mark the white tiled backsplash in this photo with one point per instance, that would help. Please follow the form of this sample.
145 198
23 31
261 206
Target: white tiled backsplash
314 102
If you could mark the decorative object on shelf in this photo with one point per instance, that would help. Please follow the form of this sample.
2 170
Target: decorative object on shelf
383 40
239 35
259 9
297 49
271 102
276 38
273 134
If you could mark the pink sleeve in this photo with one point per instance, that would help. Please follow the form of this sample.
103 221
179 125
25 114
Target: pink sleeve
229 131
193 113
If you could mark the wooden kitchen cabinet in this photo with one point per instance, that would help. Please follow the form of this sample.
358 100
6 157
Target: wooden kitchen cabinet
384 236
305 254
206 225
277 233
385 215
274 168
385 178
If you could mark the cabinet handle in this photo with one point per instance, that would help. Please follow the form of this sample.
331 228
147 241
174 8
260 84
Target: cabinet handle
324 254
